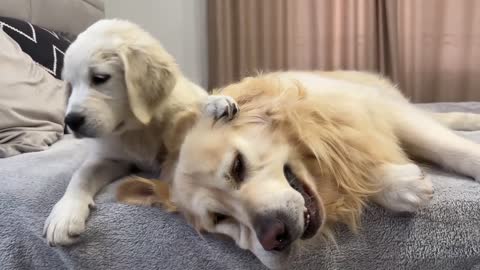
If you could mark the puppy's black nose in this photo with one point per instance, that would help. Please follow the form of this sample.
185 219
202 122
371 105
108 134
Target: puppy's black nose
74 121
272 233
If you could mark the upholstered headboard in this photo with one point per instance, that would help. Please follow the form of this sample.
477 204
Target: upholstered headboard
69 16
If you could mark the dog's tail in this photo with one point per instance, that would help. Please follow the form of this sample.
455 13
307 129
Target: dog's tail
458 120
137 190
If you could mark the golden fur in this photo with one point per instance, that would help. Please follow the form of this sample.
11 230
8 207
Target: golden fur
345 134
328 137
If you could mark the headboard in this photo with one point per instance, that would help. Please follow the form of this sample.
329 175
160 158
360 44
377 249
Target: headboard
69 16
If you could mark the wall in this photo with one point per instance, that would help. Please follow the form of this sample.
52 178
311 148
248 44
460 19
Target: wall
180 25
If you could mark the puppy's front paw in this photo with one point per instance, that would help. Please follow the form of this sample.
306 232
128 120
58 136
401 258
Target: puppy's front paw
67 220
408 188
221 107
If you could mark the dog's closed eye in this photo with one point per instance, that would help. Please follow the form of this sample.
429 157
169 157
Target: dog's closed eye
98 79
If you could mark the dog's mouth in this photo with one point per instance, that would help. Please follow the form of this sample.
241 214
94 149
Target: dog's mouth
312 216
91 133
311 213
85 133
79 134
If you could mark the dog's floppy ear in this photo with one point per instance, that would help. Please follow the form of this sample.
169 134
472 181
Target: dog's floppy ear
145 192
150 76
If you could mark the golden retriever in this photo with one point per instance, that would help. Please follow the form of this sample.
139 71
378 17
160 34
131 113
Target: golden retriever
128 94
307 150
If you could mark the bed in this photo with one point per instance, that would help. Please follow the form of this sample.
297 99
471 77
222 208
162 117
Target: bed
444 235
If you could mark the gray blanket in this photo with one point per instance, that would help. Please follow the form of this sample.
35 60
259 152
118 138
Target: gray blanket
445 235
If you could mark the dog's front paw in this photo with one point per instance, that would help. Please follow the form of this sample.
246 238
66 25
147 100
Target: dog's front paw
221 107
67 220
408 188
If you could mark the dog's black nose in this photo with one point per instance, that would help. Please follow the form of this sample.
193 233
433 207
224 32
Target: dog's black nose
74 121
272 232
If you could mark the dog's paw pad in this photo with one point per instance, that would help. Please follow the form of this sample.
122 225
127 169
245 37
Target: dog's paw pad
220 107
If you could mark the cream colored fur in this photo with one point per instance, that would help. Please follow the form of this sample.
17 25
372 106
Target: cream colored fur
138 116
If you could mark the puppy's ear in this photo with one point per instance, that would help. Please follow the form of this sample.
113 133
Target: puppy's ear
150 76
145 192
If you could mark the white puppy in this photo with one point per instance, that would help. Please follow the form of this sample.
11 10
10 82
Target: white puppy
128 93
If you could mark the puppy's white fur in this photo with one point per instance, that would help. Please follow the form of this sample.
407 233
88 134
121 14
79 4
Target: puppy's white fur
138 116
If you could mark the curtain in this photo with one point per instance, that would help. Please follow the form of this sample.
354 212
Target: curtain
430 48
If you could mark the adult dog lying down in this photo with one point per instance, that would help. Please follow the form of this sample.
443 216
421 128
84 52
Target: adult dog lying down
129 95
307 150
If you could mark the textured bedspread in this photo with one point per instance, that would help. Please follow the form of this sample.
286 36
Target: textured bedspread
446 235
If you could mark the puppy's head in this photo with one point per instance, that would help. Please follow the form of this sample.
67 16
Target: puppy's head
118 75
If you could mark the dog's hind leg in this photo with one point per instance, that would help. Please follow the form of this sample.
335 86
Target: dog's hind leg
458 120
425 138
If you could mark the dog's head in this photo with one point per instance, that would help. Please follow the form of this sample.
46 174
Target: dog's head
277 174
248 183
118 74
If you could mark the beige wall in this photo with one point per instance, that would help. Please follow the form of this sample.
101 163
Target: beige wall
180 25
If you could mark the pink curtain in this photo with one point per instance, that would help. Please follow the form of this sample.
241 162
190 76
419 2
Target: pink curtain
429 47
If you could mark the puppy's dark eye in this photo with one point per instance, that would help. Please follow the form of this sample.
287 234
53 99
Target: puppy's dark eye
218 218
98 79
237 171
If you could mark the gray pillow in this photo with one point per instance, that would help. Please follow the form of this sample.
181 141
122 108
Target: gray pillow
32 102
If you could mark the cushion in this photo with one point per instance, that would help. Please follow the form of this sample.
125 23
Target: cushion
32 102
70 16
43 46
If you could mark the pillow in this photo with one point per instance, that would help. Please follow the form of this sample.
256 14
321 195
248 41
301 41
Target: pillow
32 102
44 46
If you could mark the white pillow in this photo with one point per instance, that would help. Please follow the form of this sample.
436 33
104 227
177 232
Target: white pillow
32 102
